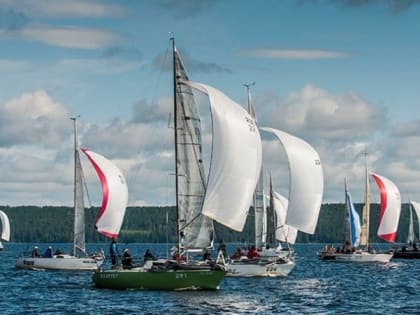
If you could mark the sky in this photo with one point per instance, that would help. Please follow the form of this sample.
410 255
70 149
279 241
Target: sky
342 75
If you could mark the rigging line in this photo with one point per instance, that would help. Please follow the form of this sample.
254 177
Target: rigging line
132 180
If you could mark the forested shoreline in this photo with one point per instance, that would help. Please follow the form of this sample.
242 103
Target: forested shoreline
148 225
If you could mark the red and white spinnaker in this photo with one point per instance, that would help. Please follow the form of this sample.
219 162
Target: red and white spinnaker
390 208
114 194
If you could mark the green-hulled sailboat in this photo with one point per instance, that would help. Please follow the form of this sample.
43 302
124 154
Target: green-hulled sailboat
225 196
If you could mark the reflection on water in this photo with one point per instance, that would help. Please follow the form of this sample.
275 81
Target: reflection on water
312 287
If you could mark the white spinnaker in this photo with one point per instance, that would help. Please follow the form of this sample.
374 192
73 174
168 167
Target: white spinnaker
416 206
236 160
306 181
115 194
5 226
390 208
284 232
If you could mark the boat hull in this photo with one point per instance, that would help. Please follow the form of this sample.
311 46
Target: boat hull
256 268
170 280
357 257
58 262
407 254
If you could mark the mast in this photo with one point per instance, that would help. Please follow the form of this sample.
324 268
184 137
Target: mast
364 237
75 188
176 141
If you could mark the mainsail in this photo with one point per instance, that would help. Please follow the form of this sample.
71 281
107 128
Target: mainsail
271 218
410 237
260 213
196 230
235 163
416 206
79 243
390 208
114 194
306 181
5 226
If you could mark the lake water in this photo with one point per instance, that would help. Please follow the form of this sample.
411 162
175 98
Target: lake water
313 287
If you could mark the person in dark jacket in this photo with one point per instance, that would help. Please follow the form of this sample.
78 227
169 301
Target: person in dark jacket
48 252
126 260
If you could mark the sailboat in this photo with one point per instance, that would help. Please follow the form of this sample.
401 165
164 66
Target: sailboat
5 228
224 196
303 206
352 229
390 208
411 250
109 220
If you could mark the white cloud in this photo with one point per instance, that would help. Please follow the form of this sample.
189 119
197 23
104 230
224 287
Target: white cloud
32 118
301 54
69 37
316 113
64 8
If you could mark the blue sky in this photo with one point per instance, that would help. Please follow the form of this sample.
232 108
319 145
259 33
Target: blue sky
343 75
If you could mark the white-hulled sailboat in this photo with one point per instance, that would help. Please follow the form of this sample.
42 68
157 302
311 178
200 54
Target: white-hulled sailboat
390 208
303 206
5 228
108 222
224 196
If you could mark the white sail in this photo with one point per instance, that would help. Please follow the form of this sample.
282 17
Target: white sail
236 160
284 233
196 230
79 241
411 237
260 213
115 194
416 206
306 181
5 226
390 208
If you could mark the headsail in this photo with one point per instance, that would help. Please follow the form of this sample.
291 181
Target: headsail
115 194
196 230
390 208
306 181
5 226
236 160
284 233
354 220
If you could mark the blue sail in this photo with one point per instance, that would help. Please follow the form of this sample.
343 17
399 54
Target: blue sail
354 218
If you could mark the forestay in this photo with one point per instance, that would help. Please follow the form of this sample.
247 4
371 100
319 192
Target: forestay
114 194
235 163
306 181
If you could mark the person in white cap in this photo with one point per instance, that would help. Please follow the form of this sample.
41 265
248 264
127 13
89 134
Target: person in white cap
35 252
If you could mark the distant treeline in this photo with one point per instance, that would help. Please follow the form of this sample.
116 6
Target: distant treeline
148 225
